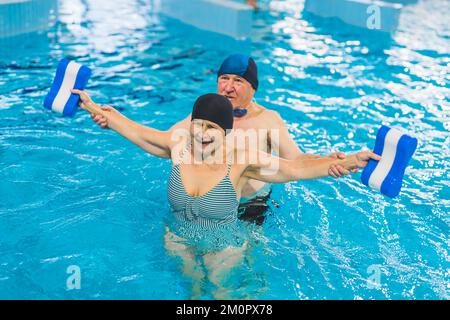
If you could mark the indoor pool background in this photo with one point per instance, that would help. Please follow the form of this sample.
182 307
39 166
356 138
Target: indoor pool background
73 194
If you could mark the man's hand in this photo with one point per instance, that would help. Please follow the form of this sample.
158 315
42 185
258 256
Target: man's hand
98 113
337 171
356 161
361 159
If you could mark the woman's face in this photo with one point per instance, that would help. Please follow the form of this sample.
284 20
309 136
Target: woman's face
206 135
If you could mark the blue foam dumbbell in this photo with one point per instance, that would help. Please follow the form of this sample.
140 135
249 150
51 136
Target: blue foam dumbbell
395 149
69 75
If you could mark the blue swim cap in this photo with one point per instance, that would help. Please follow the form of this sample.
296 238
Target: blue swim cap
240 65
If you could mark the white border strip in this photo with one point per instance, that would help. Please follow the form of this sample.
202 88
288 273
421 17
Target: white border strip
387 159
70 76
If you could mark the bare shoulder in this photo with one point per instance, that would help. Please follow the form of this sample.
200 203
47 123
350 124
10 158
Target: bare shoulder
271 118
182 124
178 145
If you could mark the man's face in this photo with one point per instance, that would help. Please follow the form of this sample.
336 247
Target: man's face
238 90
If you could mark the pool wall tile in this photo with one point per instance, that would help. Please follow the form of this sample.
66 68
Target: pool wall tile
19 17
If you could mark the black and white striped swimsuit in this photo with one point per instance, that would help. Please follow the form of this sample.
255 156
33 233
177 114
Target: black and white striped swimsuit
213 214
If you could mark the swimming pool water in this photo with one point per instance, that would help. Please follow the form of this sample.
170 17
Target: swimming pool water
73 194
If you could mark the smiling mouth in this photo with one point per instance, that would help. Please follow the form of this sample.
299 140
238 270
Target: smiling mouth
204 142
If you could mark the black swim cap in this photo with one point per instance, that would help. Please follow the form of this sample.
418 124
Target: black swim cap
214 108
240 65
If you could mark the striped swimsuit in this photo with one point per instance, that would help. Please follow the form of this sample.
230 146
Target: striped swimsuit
209 221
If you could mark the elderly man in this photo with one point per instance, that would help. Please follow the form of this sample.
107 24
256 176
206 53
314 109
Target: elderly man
237 79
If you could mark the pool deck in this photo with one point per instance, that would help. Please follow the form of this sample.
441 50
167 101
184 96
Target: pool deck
25 16
226 17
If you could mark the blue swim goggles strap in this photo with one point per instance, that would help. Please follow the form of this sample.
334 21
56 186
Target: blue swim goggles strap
239 113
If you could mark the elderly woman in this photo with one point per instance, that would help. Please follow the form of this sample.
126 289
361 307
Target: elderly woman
207 177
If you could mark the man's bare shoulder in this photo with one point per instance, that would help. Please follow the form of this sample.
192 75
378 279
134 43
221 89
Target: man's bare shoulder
271 118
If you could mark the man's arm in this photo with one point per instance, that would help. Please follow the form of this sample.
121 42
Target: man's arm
284 144
289 150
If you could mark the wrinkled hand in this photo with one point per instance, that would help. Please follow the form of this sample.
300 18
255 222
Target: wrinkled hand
360 159
101 120
98 113
336 170
86 102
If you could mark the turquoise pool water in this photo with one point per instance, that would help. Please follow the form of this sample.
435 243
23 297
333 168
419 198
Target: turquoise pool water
72 194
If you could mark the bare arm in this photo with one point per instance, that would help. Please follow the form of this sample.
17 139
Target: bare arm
153 141
156 150
183 124
288 149
284 144
269 168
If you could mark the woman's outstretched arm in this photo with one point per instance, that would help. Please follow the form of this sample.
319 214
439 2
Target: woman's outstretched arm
268 168
153 141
